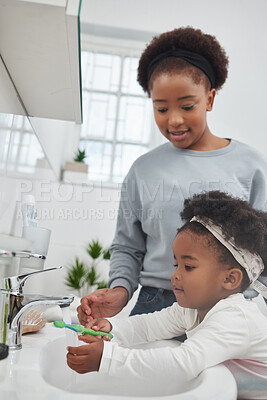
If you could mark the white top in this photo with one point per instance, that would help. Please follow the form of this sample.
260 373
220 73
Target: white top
234 329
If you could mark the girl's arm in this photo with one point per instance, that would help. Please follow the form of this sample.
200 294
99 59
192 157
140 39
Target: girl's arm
223 336
144 328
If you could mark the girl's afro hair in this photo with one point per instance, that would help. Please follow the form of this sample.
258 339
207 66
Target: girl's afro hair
237 218
185 38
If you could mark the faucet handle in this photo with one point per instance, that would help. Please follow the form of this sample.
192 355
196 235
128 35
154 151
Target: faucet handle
17 282
20 254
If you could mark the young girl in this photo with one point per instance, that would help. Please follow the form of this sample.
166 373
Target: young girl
181 71
218 252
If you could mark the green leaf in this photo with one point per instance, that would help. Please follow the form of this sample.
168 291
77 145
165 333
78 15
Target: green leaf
76 275
94 249
91 276
101 285
80 156
80 274
106 254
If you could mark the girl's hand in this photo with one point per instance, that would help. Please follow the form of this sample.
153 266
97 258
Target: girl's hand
86 358
100 324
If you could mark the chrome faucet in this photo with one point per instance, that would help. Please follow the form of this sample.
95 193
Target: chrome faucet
14 304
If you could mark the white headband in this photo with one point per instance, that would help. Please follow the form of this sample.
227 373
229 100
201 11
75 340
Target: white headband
252 263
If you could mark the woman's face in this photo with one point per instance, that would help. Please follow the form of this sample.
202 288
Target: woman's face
180 107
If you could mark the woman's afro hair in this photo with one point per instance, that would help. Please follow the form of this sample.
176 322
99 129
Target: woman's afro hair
184 38
237 218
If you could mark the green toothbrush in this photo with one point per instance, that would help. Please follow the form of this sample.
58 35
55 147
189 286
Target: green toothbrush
80 329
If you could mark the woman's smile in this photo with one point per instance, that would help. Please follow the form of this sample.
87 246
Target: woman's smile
177 135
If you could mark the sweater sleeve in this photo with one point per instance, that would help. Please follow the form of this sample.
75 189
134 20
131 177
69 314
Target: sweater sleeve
258 194
145 328
129 244
216 340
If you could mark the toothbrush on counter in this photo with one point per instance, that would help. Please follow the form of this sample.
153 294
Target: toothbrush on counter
80 329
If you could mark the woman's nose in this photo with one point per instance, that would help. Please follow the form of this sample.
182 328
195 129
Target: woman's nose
175 119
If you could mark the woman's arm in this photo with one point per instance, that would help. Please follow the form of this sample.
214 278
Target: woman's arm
258 189
129 244
127 253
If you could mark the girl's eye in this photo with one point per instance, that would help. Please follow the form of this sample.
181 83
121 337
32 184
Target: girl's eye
188 108
162 110
189 268
175 265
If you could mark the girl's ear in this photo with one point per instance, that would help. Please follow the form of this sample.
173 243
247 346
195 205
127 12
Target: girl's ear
233 279
210 99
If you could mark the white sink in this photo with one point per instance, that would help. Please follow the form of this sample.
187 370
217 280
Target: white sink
39 371
214 383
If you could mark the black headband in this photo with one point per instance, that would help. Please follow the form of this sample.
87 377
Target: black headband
192 58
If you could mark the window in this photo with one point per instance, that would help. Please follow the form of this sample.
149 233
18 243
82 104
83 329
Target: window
19 146
117 116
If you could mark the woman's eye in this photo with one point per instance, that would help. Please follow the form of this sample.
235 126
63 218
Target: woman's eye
188 108
175 265
189 268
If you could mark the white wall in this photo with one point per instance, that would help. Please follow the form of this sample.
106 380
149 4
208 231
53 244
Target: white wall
239 112
75 214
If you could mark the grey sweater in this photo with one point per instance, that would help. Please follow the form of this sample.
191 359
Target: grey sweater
152 198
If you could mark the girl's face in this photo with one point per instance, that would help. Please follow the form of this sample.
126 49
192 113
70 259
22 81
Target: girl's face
180 107
197 281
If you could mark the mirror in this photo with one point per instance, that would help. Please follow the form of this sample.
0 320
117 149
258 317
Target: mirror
39 78
20 149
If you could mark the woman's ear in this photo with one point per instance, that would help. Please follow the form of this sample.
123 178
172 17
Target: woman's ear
210 99
233 279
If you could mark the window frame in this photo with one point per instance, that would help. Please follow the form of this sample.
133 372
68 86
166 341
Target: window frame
123 48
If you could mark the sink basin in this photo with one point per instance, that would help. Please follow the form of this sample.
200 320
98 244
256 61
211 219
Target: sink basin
214 383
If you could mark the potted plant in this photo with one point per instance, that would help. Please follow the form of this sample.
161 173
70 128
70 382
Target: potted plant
83 277
75 276
77 170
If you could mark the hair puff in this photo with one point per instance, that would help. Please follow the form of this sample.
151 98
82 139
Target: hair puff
190 39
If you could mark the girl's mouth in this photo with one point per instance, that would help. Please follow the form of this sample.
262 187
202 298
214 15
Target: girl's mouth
178 135
177 291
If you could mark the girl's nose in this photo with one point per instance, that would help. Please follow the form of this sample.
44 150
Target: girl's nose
176 276
175 119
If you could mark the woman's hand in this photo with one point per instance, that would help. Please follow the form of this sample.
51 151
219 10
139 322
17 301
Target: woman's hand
102 303
86 358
